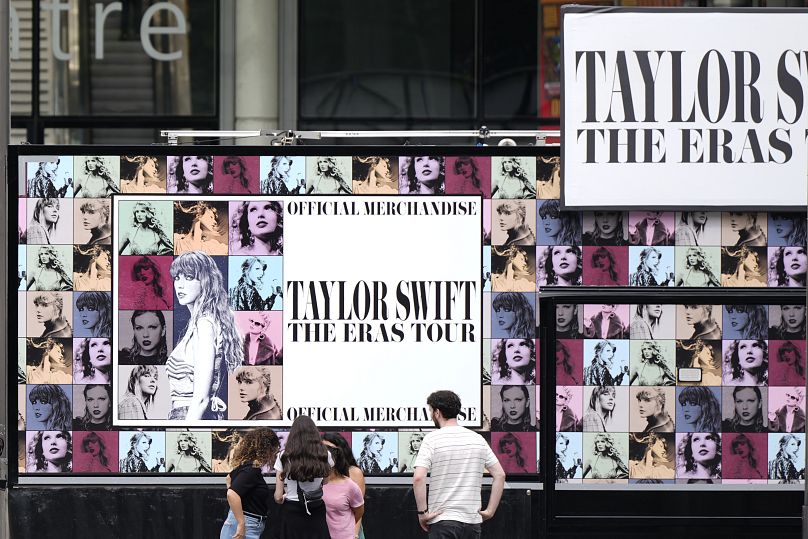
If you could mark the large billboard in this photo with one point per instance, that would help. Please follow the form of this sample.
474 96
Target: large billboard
692 108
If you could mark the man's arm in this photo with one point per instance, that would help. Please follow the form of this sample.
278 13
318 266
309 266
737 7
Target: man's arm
498 475
419 489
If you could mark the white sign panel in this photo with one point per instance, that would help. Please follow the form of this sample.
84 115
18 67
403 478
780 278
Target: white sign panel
678 108
375 302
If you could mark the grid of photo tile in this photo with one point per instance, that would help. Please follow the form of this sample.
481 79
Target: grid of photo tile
64 275
628 408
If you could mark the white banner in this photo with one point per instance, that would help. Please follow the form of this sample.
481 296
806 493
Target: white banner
678 108
362 308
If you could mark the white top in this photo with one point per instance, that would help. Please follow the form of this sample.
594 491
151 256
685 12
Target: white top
290 485
455 458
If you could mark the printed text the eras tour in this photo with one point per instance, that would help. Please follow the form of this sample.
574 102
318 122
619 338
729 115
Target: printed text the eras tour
423 311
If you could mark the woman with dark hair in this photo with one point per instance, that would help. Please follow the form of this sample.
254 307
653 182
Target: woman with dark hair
97 408
328 178
301 469
94 310
187 458
254 386
422 175
466 168
748 411
516 414
196 176
92 361
238 177
603 265
50 272
372 176
601 371
792 371
607 229
649 272
697 270
202 233
515 361
791 325
52 366
332 439
512 219
512 181
44 221
788 267
700 410
653 369
514 317
247 492
257 228
699 456
745 465
787 229
786 465
562 266
149 345
278 181
746 363
690 228
560 227
607 462
98 460
146 236
148 290
745 322
140 390
565 374
599 416
211 346
139 458
50 408
510 450
344 502
96 179
246 295
50 451
567 321
656 461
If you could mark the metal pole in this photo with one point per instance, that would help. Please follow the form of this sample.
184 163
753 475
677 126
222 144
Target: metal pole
5 133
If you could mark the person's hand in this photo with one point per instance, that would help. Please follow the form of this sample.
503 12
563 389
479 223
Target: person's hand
487 514
240 531
426 517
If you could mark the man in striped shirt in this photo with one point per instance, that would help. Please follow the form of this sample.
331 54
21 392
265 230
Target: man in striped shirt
455 458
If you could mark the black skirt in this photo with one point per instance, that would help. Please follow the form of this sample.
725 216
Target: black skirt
296 523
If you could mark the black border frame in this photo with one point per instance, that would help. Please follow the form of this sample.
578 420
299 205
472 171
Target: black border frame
609 10
162 150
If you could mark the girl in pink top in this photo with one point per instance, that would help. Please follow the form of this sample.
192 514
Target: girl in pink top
344 504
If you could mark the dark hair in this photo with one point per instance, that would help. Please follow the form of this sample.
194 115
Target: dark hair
101 302
502 360
305 457
686 452
102 453
603 252
144 262
446 401
475 171
789 346
512 439
182 182
237 160
340 462
550 275
256 447
162 351
86 419
342 443
241 225
732 357
38 451
85 367
412 181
